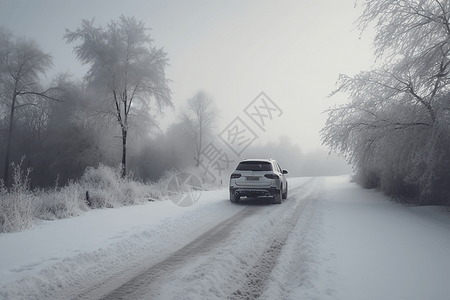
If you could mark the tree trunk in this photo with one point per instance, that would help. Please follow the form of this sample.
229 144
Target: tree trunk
8 142
124 152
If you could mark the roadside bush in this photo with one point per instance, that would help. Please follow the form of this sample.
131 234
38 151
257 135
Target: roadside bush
17 206
104 187
100 187
159 189
60 203
368 178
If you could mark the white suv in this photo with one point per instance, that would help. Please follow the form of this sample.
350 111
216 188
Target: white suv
258 177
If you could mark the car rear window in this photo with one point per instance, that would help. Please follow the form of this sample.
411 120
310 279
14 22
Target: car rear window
254 166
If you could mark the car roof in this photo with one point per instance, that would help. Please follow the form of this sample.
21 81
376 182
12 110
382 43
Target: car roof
259 159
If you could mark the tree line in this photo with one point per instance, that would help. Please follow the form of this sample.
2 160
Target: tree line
61 128
395 128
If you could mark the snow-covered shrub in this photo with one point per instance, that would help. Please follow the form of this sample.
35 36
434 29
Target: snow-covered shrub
102 177
59 203
159 189
133 192
368 178
18 205
102 186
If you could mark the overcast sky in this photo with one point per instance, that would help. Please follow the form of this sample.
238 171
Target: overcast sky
233 50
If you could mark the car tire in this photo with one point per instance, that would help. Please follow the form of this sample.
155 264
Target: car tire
277 198
234 198
285 194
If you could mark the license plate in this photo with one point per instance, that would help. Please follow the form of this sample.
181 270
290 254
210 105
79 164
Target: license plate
252 178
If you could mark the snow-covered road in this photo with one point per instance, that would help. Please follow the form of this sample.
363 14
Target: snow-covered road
329 240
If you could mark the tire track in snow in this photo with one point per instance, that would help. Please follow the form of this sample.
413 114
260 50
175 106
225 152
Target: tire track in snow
207 241
259 273
142 251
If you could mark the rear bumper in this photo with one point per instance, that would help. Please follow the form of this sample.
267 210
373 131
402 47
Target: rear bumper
254 192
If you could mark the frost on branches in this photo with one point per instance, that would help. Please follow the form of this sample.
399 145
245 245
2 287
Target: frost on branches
395 127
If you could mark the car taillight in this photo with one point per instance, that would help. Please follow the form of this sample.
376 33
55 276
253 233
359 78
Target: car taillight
234 175
272 176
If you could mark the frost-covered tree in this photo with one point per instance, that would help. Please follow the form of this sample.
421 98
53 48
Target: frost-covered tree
22 62
127 68
395 127
199 120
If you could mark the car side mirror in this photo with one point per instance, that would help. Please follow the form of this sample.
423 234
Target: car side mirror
285 171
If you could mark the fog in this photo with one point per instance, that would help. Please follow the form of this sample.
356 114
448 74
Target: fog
290 51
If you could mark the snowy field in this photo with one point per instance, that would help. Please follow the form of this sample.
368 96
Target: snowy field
329 240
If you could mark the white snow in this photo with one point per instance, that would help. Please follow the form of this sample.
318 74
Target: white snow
348 243
385 250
